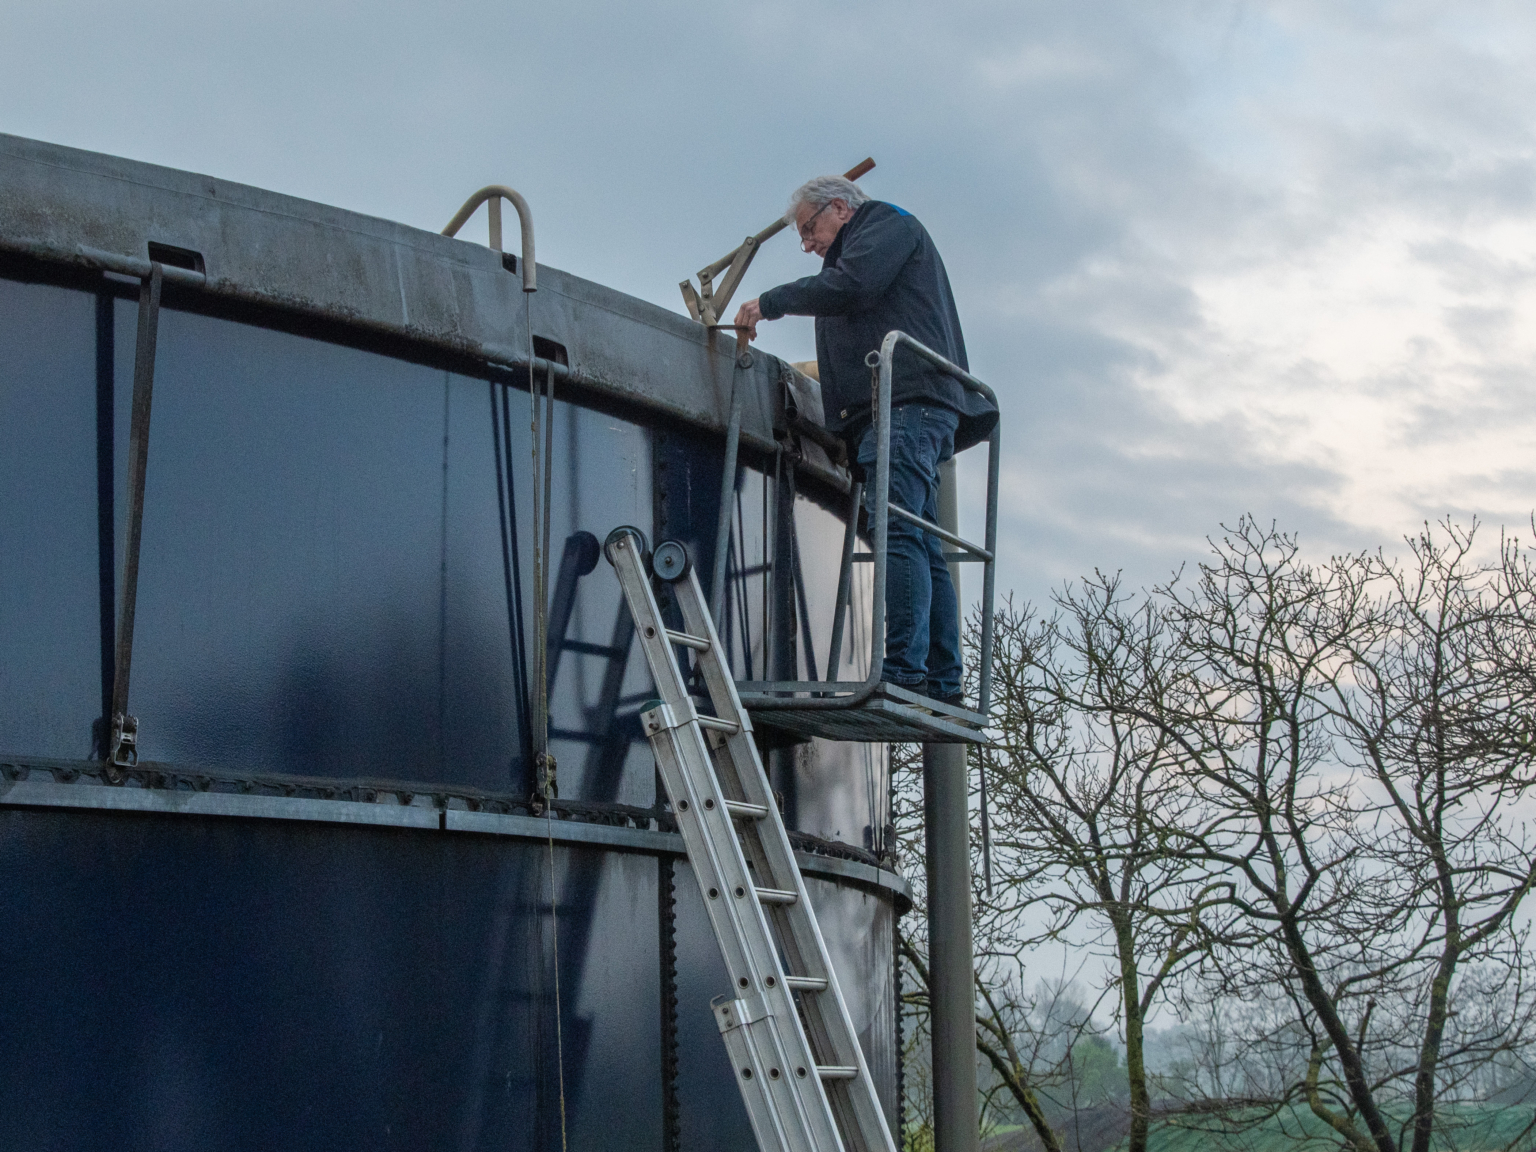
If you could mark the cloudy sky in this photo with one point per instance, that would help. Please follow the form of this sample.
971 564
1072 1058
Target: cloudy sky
1218 258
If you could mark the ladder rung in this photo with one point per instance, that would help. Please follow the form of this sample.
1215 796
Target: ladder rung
697 643
719 725
776 895
836 1071
742 808
806 983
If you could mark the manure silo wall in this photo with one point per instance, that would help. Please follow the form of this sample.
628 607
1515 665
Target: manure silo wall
325 909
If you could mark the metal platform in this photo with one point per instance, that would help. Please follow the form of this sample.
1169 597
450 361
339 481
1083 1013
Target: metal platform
869 709
890 713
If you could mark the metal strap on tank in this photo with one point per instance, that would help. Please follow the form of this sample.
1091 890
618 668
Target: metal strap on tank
543 426
122 751
727 488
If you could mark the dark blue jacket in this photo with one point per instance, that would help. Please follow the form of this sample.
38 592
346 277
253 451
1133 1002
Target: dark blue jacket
882 272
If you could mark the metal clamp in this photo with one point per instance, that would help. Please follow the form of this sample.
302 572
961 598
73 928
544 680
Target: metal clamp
659 719
123 752
732 1013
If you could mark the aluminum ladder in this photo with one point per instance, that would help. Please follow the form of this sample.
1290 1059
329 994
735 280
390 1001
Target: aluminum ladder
797 1059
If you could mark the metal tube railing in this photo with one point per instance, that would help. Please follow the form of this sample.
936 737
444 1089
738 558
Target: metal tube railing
947 536
495 193
860 691
989 579
949 558
139 268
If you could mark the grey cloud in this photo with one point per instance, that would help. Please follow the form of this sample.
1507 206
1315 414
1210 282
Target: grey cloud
1465 269
1079 165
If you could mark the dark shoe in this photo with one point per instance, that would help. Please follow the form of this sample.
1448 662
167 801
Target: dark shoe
955 701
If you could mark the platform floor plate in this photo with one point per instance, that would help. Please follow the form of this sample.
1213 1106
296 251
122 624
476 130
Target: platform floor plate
892 714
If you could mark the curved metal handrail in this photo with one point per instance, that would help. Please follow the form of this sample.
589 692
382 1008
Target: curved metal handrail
879 526
495 194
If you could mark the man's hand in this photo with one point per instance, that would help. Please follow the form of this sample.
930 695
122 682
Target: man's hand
748 316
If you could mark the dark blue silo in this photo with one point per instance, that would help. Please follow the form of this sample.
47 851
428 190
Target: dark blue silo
324 909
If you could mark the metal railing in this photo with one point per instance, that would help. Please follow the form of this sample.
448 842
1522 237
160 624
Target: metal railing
491 196
832 693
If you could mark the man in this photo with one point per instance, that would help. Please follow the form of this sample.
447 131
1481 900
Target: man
880 270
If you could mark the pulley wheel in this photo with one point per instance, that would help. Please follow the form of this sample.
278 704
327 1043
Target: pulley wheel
670 561
633 536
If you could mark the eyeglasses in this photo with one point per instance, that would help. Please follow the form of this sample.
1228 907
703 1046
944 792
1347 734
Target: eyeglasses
805 240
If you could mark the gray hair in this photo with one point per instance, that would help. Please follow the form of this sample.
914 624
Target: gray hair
821 191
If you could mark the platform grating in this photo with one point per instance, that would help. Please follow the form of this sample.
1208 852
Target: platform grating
892 714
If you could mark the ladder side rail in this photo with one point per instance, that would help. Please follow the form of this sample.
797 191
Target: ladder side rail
706 828
743 769
713 868
785 1113
824 1014
742 1033
739 770
738 766
740 922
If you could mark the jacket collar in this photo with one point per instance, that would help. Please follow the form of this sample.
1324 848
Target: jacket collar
835 249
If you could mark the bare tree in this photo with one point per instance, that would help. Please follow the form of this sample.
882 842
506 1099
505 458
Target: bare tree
1365 731
1087 794
1020 1043
1292 797
1439 712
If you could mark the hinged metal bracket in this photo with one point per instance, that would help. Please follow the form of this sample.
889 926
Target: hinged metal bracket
708 302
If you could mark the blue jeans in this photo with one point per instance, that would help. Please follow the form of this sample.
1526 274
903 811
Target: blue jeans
922 614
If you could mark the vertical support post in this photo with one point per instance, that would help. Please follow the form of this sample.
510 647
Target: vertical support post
781 635
952 992
544 762
951 963
949 518
984 678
